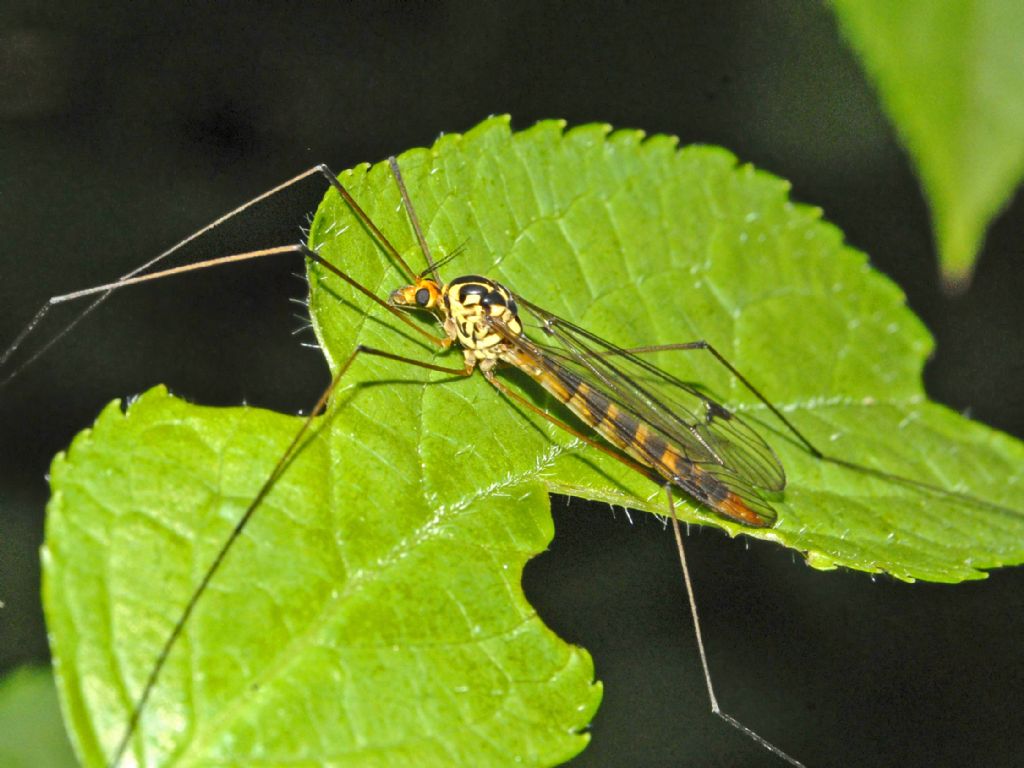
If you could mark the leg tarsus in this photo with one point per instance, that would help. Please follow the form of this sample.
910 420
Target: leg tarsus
713 700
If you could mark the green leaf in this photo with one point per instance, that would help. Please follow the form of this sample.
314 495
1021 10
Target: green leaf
355 622
371 613
645 244
951 76
31 732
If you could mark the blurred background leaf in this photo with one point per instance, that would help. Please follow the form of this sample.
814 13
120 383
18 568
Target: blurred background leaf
31 728
951 77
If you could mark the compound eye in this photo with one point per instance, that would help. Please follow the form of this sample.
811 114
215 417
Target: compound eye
423 297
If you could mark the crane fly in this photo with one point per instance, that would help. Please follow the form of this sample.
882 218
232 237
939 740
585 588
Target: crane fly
652 422
715 457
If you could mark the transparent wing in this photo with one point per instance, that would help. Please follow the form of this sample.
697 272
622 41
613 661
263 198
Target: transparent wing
707 433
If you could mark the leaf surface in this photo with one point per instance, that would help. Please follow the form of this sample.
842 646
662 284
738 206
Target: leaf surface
372 612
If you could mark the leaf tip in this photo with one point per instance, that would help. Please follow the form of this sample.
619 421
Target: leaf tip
956 279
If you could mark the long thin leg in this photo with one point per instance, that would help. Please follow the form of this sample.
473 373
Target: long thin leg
723 361
700 344
717 710
44 310
441 341
413 218
805 441
294 447
106 290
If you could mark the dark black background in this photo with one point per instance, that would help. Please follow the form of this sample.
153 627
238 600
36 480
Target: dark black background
123 128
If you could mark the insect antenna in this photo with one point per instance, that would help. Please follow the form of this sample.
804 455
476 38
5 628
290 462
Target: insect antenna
461 249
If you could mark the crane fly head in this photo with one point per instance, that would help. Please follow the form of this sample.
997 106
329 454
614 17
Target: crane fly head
470 308
426 293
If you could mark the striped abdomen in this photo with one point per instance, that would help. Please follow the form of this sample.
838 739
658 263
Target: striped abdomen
639 440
